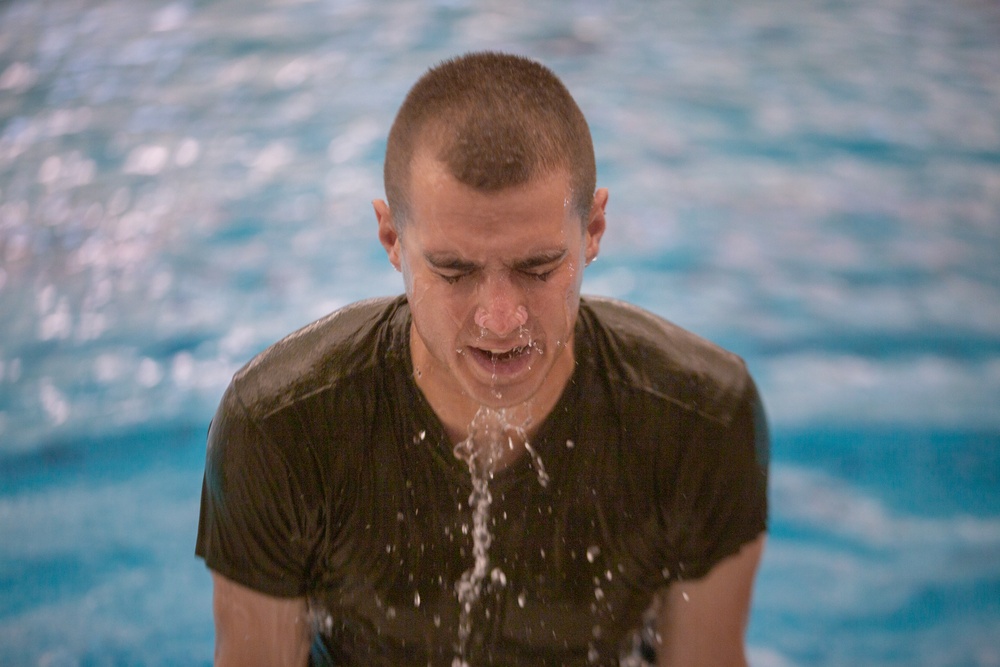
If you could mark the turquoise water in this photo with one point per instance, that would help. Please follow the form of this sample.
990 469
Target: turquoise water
815 185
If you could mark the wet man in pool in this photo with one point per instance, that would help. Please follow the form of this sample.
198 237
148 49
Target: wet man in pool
489 469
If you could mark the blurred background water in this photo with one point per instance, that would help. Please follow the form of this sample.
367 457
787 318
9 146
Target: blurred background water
815 185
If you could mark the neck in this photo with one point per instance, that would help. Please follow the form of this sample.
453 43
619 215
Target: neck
494 433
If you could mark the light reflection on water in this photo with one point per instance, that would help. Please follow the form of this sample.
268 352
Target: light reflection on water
817 187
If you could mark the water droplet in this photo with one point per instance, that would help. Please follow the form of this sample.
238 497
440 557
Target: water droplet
570 444
687 598
497 576
599 593
416 599
593 552
521 599
543 477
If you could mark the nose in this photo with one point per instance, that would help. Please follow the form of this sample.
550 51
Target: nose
500 310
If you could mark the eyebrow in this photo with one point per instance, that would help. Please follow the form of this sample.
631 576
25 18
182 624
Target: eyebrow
449 262
540 259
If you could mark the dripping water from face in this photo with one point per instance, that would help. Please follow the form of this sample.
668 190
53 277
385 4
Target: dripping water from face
489 433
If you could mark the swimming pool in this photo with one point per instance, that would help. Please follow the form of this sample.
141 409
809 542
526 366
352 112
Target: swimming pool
816 187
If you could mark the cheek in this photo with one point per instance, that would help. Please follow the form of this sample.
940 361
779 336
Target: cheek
571 286
555 302
441 308
571 295
404 268
420 289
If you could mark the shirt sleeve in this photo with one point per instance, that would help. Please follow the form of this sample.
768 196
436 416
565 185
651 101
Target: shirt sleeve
251 527
722 493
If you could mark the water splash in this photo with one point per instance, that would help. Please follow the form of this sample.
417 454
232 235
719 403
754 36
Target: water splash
490 432
536 460
469 586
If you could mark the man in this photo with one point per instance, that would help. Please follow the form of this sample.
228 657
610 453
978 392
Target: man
489 470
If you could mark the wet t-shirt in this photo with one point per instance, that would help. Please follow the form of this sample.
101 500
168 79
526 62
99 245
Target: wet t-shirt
329 477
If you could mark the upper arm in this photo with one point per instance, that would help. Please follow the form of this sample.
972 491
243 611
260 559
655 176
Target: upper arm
703 622
252 628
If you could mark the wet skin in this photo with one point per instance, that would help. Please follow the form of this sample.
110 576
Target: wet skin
493 281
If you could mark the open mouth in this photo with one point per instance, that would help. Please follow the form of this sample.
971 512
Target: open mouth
501 357
509 354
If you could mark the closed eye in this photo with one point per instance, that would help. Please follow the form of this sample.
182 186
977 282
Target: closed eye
449 268
452 279
541 275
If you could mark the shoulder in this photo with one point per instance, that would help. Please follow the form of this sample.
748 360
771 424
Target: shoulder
336 347
646 353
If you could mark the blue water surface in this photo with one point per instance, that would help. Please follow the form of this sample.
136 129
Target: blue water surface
815 185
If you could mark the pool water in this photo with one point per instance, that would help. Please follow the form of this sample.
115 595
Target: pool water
814 185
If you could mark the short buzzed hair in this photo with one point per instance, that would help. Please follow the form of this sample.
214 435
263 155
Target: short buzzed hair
496 121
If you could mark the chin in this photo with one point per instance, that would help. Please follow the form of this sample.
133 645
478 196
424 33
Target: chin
502 398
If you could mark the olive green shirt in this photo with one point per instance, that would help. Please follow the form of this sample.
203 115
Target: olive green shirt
329 477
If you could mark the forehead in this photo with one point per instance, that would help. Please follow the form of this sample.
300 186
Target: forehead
440 201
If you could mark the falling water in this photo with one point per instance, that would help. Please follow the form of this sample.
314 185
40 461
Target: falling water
469 586
489 432
536 460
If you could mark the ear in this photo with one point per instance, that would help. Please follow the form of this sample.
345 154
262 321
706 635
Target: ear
387 234
596 225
